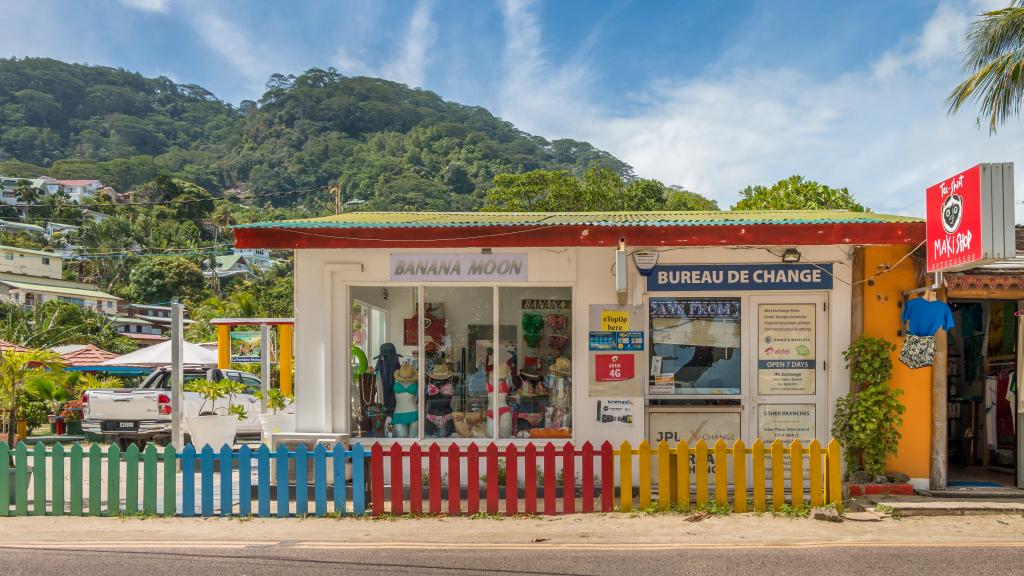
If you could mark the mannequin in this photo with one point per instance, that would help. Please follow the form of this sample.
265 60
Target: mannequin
504 411
406 414
440 388
559 414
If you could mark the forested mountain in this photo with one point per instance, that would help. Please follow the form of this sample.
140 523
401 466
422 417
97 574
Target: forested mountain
382 142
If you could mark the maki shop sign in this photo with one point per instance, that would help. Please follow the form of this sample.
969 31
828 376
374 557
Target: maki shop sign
458 267
971 218
720 277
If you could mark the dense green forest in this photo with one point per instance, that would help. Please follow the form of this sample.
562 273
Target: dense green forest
382 142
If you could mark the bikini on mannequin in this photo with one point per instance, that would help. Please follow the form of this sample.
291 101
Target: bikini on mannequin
406 414
504 411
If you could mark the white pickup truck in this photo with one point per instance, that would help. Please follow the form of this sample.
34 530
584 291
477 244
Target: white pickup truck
143 414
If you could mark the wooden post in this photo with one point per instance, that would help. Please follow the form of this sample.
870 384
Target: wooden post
940 386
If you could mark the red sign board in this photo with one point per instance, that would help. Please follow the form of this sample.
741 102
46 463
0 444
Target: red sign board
955 233
614 367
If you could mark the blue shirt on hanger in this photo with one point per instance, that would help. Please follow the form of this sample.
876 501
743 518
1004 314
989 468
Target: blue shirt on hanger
926 317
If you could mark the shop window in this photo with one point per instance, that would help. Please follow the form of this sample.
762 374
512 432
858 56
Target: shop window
535 399
696 345
382 406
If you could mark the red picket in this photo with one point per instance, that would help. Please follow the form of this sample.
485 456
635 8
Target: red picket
415 479
607 477
511 481
568 479
530 478
588 477
377 478
397 498
473 479
492 479
549 480
454 486
435 478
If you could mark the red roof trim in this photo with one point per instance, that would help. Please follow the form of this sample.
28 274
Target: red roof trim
581 235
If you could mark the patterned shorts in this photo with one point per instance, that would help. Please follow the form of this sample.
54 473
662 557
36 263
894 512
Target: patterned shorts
918 351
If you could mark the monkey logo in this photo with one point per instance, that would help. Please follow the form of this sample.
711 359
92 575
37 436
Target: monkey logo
952 213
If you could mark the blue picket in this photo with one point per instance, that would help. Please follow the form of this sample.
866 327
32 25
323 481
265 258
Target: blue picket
206 480
338 462
320 480
301 481
263 480
226 491
282 481
244 481
188 481
358 480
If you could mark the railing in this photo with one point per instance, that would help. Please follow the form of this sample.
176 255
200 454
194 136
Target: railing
454 480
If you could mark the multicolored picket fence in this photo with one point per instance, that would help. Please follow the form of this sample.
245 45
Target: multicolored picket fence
91 481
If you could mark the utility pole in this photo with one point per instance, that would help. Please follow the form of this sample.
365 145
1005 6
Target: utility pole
177 371
337 199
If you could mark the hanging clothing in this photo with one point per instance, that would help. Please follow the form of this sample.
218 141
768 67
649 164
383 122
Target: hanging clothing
918 351
387 364
1004 412
991 435
1011 397
926 317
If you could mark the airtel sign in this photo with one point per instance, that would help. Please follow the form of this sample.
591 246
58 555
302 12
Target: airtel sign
970 218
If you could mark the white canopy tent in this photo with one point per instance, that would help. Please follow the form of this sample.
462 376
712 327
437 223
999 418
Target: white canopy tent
160 355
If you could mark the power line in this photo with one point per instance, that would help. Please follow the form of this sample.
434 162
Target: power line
169 202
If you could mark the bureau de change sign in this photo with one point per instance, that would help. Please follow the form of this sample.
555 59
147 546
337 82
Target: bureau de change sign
971 218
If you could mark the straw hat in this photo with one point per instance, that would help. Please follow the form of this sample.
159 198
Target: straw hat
503 370
562 367
406 374
441 372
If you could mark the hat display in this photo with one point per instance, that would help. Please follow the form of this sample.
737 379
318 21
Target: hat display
503 370
441 371
406 374
562 367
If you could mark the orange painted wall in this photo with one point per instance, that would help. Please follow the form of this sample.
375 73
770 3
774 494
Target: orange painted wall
882 319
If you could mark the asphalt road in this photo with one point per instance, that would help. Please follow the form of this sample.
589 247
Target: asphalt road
301 559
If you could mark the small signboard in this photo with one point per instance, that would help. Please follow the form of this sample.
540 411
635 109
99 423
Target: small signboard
632 341
971 218
245 346
733 277
614 367
458 267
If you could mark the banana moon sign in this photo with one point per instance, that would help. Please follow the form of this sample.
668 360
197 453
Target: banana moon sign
971 218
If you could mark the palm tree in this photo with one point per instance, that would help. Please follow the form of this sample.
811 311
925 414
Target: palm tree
26 195
994 62
15 369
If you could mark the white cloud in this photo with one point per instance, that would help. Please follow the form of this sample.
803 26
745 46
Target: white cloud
882 131
233 44
409 65
148 5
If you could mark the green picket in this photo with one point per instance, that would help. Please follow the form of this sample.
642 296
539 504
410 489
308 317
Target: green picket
149 480
5 478
21 480
113 480
57 479
95 480
39 475
76 479
131 480
170 482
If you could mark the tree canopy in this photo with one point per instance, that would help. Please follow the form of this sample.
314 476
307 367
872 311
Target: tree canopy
795 193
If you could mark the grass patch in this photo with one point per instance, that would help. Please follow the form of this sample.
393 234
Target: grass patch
714 508
790 511
486 516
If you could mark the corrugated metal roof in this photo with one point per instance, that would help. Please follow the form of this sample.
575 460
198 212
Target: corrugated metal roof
59 290
644 219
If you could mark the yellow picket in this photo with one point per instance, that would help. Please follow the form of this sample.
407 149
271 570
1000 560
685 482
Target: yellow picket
796 472
835 483
739 475
721 473
625 476
683 475
757 462
645 473
701 470
664 476
778 476
816 487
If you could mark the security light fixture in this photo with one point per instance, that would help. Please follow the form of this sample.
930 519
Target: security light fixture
791 256
645 261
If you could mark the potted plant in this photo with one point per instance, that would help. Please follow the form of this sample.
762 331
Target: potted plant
216 424
867 421
46 389
72 414
277 420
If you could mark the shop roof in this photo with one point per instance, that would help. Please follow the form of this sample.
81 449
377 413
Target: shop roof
397 229
90 355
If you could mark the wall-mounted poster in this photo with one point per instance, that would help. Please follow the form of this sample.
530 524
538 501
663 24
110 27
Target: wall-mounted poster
786 362
787 422
674 424
245 346
615 412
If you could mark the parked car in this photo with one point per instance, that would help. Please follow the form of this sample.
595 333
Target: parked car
143 414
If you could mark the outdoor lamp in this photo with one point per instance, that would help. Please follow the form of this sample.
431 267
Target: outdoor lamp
791 256
645 261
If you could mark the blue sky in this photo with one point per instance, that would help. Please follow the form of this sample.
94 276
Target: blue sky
710 95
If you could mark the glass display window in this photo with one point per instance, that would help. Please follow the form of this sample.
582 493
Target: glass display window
696 346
